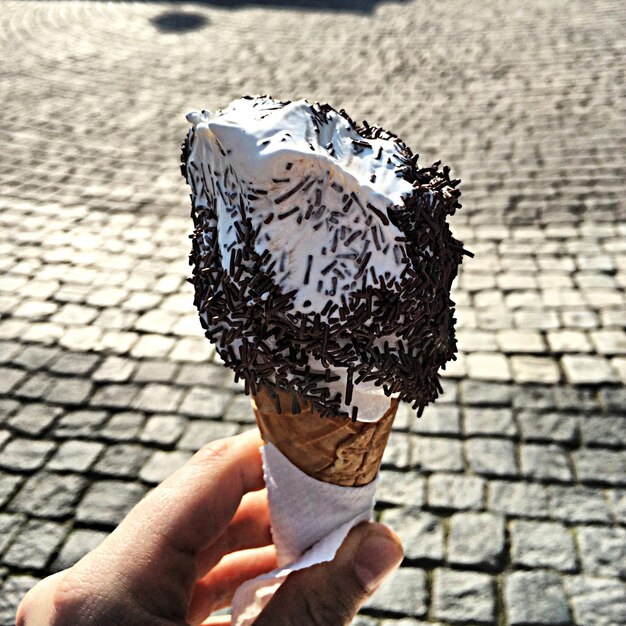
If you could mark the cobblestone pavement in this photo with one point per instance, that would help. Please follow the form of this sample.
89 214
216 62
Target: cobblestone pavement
510 493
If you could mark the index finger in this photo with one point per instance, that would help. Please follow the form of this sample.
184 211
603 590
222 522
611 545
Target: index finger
194 505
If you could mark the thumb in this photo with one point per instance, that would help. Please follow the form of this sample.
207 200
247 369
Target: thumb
333 592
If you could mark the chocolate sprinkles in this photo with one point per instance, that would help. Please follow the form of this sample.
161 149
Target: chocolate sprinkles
392 329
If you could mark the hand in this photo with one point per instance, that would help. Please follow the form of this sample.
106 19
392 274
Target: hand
181 553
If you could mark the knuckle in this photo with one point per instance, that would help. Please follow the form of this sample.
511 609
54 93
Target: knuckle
213 453
324 607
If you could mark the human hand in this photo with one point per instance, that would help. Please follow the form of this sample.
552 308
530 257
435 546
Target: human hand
181 553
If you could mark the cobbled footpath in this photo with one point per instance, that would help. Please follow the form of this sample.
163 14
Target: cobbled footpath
510 492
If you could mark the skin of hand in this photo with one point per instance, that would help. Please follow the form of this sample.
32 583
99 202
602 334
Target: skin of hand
181 553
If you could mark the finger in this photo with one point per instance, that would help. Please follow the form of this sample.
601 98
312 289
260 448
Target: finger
181 517
194 505
216 589
37 608
333 592
249 528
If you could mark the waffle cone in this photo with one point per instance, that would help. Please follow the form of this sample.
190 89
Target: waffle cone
331 449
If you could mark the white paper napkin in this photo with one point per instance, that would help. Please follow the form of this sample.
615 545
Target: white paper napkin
310 519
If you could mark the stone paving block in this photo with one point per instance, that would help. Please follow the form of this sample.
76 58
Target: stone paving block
35 387
13 590
613 398
434 454
151 346
75 364
616 497
9 484
75 456
206 374
108 501
537 319
604 466
491 457
15 329
404 592
489 421
240 410
534 397
421 533
118 342
545 462
515 341
122 460
602 550
155 321
551 427
397 454
193 350
606 430
542 544
579 318
437 419
587 370
619 367
454 491
70 391
156 397
596 601
49 495
80 424
609 341
155 371
534 369
34 419
535 598
10 524
203 402
574 503
485 394
77 314
114 395
487 366
598 298
81 338
9 378
25 455
475 539
400 488
124 426
576 399
35 357
78 543
461 597
568 341
161 464
472 340
35 309
201 432
164 430
613 317
35 544
9 350
114 369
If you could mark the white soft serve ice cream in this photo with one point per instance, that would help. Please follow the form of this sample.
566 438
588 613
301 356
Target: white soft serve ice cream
311 237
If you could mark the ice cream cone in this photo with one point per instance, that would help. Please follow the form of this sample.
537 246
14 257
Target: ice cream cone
331 449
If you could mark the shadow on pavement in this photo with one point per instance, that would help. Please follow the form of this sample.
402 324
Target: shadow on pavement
179 22
350 6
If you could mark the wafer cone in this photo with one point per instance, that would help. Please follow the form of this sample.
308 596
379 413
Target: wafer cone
331 449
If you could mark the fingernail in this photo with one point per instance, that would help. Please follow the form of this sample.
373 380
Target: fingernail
376 557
